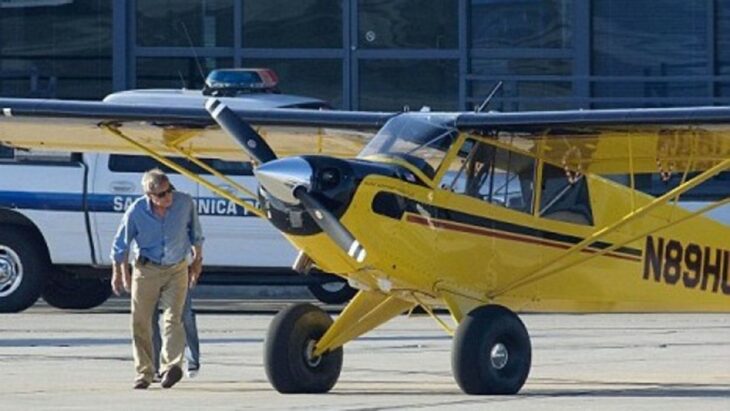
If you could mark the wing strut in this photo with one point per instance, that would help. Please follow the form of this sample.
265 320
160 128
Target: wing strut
542 272
189 174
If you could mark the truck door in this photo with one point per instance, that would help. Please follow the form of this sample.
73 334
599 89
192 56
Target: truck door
233 237
55 205
115 184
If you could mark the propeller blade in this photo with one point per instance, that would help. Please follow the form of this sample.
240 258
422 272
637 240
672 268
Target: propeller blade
330 225
251 141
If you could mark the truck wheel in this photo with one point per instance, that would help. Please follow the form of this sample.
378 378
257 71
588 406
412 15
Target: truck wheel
22 270
491 352
66 291
290 366
331 289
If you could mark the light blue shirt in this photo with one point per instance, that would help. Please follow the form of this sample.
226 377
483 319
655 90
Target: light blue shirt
164 240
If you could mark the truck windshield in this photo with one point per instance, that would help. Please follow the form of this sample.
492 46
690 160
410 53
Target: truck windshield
421 139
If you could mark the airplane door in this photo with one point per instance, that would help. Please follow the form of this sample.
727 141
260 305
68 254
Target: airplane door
115 184
233 237
489 230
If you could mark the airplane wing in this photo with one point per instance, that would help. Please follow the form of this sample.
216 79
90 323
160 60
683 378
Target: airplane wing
614 141
597 141
81 126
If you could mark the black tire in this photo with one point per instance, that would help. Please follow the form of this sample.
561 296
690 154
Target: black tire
292 333
479 336
23 267
331 289
64 290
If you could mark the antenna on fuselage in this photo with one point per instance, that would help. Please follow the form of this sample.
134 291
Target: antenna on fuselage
489 97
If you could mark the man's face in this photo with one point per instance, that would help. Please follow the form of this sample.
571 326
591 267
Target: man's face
162 197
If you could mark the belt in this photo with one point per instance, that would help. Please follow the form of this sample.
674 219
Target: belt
146 261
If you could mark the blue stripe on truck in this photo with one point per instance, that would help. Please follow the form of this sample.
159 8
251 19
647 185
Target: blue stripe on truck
107 203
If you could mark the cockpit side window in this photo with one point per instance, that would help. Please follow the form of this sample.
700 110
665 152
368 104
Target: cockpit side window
562 200
492 174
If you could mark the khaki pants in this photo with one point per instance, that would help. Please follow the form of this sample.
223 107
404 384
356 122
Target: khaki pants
168 285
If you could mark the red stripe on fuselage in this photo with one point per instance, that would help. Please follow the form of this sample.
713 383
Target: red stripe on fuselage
505 235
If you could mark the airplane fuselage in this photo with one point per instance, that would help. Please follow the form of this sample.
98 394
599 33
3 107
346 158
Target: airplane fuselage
428 242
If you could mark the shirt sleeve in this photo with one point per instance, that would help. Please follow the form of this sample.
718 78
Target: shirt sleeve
122 240
195 231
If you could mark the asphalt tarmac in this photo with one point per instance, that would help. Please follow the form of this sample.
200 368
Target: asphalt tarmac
56 360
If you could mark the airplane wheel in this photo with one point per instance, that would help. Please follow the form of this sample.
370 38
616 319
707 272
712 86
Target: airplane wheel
491 352
290 366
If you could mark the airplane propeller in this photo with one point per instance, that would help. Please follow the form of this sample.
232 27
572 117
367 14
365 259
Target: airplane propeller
331 225
289 179
251 141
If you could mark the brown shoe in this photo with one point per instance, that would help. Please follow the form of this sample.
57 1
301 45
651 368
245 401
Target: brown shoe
171 377
141 384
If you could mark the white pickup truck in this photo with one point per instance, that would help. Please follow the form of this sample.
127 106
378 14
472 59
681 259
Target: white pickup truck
60 211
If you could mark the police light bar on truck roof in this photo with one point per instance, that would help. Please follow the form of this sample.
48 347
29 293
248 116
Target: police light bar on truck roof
228 82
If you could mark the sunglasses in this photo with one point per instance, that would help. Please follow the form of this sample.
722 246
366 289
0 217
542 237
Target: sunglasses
162 194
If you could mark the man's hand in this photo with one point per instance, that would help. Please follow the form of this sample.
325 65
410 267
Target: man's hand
121 279
194 271
117 283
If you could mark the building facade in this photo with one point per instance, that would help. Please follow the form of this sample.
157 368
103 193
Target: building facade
380 54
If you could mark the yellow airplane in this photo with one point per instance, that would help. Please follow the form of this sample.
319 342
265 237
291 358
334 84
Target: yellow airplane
485 214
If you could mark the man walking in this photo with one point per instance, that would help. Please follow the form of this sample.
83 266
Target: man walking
165 228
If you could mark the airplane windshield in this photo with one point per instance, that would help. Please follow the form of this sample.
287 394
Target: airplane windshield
421 139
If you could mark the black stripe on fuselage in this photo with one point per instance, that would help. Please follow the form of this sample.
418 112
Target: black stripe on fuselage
394 206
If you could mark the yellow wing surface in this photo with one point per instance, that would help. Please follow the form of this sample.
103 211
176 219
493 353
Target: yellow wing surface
600 141
617 141
95 127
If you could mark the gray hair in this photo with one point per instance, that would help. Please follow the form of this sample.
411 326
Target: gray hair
153 179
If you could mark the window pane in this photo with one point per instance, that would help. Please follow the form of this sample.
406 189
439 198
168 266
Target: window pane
408 24
59 51
519 92
180 23
390 85
722 13
306 77
562 200
292 24
617 94
492 174
627 43
520 24
72 77
176 72
722 48
715 189
671 43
